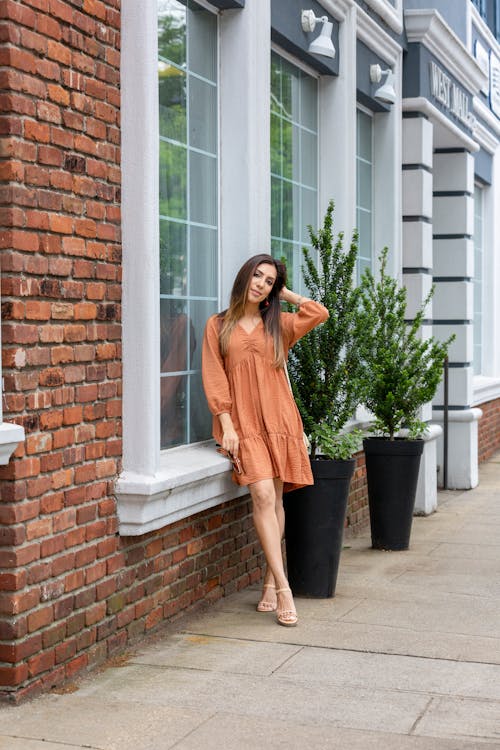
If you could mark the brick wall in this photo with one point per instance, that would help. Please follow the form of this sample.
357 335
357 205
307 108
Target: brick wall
72 592
60 243
358 514
489 430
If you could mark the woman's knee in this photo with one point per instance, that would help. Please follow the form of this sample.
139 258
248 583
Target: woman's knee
263 496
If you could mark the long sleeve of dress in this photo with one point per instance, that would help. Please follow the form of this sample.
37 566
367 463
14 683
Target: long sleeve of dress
296 325
214 376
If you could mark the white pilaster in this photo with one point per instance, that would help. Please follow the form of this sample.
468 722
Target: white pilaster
245 70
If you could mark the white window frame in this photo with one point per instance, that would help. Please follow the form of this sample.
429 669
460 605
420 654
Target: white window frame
155 487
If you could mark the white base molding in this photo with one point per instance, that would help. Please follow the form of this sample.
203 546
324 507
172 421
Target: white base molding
462 448
190 480
426 497
11 435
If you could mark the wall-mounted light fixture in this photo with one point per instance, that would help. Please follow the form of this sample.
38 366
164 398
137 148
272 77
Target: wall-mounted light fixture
323 44
385 93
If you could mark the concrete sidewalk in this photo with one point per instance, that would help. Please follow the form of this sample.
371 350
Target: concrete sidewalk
406 656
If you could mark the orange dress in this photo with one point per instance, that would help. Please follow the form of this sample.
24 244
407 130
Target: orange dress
257 396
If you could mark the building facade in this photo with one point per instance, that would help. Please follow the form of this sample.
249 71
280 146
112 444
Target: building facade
147 150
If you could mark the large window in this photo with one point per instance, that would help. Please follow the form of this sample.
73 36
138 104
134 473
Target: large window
294 162
188 174
478 279
364 190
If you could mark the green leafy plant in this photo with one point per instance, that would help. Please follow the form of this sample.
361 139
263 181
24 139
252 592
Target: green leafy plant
402 370
325 365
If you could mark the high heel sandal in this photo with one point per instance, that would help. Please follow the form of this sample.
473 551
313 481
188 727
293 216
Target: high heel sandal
286 617
264 606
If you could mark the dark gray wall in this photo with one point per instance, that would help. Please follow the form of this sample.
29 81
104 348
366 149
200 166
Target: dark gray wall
286 30
453 12
364 87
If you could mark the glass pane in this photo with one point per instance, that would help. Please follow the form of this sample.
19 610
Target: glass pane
291 266
201 310
174 335
364 136
309 156
172 92
365 234
364 185
173 168
309 103
202 42
296 154
287 149
201 419
309 213
172 31
202 115
173 257
203 262
286 90
173 408
202 188
362 265
275 207
276 160
287 210
276 248
275 84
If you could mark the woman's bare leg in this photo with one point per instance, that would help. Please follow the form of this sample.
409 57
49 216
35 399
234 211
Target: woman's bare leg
269 522
268 599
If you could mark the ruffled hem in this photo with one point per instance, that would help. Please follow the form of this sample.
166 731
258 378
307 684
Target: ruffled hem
269 456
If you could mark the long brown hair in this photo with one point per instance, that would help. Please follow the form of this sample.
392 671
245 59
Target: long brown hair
270 309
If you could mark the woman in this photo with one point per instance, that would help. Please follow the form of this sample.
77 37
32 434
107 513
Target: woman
256 420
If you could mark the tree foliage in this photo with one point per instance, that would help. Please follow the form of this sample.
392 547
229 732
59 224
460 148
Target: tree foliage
325 364
402 370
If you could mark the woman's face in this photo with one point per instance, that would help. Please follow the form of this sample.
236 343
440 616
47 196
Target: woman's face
261 283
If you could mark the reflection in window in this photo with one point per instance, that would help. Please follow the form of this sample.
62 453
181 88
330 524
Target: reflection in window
187 79
364 190
478 279
294 163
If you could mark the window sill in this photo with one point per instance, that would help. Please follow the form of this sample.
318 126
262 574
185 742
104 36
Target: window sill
190 480
11 435
484 389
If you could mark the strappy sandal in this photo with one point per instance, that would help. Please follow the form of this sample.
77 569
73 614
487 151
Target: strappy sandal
286 617
264 606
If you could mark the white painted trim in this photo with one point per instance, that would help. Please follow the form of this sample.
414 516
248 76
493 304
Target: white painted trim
421 104
485 113
339 9
11 435
430 29
464 415
485 138
140 227
484 30
370 33
190 479
485 389
388 13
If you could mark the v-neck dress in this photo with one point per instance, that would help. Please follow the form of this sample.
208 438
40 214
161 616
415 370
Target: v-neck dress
246 385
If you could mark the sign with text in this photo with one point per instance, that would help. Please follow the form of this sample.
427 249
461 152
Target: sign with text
454 99
495 84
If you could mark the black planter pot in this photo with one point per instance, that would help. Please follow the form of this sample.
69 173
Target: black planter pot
314 526
392 472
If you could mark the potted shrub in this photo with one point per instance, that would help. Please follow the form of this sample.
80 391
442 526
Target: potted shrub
401 373
324 369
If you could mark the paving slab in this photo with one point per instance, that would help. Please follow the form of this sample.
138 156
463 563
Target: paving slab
388 672
267 698
461 719
203 652
103 722
241 732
